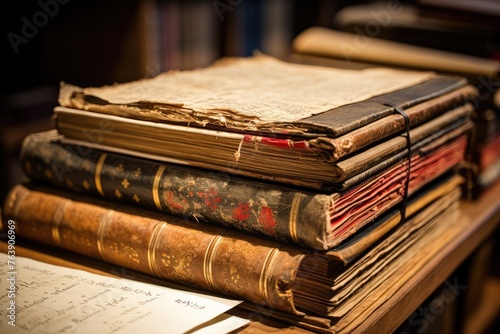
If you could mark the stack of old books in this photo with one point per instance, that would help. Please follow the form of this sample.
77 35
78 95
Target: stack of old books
300 189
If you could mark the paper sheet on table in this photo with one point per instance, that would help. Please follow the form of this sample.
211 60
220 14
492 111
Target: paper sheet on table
54 299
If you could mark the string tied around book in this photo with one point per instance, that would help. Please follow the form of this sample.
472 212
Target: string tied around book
406 118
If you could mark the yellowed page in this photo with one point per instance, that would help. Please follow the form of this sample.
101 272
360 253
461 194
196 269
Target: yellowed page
259 89
38 297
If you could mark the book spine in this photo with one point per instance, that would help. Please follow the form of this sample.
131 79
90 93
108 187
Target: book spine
200 255
392 124
280 213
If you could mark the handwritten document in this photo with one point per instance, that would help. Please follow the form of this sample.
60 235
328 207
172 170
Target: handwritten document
37 297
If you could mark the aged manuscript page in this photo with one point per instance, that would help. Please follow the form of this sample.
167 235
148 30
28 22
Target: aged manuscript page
258 89
37 297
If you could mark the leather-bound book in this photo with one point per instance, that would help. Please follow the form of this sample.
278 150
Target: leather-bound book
324 291
319 220
261 117
360 49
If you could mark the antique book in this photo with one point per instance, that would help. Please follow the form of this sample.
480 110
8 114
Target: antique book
284 122
319 290
345 46
487 167
271 159
319 220
328 47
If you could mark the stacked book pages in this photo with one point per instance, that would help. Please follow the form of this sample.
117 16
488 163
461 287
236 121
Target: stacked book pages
302 190
328 47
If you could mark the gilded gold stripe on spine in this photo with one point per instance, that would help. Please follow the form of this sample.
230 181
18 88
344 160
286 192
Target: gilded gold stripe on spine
97 176
264 274
100 233
209 257
56 236
156 186
153 246
294 212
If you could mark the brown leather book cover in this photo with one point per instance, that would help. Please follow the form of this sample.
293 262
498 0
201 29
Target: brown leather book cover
316 287
211 258
365 288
